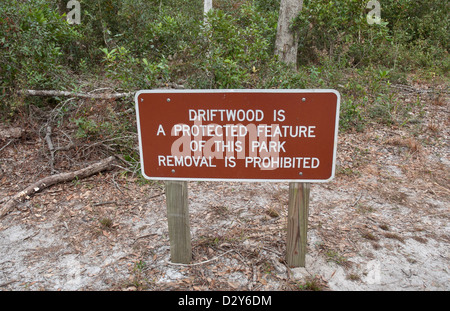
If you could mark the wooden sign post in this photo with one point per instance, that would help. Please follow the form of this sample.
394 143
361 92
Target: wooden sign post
297 224
178 219
238 135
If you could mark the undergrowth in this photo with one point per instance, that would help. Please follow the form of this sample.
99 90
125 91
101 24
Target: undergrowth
131 45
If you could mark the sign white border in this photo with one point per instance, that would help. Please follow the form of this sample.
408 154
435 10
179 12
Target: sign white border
299 91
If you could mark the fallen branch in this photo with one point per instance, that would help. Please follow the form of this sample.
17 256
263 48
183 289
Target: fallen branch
51 148
51 93
92 94
198 263
48 181
7 144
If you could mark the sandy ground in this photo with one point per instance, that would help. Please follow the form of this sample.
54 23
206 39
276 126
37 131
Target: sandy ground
381 224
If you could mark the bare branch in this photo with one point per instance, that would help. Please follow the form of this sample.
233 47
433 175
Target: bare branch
51 93
48 181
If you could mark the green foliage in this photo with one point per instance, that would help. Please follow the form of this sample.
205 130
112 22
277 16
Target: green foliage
141 44
411 34
132 72
339 30
236 46
89 128
33 40
267 5
32 45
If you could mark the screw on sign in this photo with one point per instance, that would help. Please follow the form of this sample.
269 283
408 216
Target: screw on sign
240 135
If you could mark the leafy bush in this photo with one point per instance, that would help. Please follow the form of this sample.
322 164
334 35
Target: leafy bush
235 47
132 72
339 30
148 43
33 39
411 34
33 43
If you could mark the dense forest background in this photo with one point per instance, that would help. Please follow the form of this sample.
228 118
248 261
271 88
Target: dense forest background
124 45
146 43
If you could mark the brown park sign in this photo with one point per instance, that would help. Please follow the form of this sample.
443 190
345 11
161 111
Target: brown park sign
238 135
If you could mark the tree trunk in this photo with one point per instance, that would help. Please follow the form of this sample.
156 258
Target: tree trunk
207 6
286 43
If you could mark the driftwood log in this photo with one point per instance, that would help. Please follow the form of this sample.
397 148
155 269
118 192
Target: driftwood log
95 94
48 181
71 94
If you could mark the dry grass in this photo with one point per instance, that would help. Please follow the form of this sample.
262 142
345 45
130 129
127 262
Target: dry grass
409 142
369 236
394 236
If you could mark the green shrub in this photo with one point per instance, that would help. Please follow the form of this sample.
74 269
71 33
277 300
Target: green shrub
33 44
411 34
33 39
141 44
134 73
235 47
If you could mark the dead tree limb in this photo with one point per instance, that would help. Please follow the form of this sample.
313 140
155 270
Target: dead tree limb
51 93
51 148
48 181
92 94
